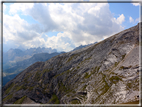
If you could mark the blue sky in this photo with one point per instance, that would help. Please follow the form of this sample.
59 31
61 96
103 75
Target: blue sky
64 26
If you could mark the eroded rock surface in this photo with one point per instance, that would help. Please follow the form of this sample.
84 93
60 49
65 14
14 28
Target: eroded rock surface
102 73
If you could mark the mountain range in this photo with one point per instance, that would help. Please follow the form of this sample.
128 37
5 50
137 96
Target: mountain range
103 73
82 46
16 60
14 55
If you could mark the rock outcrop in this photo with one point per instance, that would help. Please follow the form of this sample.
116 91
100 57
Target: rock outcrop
102 73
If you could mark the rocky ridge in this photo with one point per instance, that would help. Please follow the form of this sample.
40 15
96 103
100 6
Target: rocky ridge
102 73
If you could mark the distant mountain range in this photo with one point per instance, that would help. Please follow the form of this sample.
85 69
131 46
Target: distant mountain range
16 60
15 55
82 46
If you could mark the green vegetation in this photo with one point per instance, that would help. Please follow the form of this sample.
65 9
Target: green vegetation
129 85
78 67
97 68
26 77
87 75
19 101
45 71
104 89
17 88
87 59
62 73
9 88
71 57
31 88
8 97
75 101
62 88
115 79
84 87
116 63
123 56
54 99
122 67
37 76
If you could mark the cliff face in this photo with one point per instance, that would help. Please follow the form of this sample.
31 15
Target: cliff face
102 73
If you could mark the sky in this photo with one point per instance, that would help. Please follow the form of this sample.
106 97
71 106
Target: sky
64 26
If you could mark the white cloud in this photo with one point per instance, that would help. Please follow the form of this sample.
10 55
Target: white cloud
4 7
14 8
85 19
131 19
120 19
81 23
136 4
17 29
137 20
62 42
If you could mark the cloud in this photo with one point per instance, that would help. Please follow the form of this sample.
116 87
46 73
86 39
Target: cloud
17 29
85 19
4 7
62 42
120 19
134 3
80 23
137 20
131 19
14 8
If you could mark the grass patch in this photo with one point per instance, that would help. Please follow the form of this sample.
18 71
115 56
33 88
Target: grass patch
87 75
121 68
37 76
20 87
115 79
71 57
8 97
19 101
54 99
62 88
30 88
75 101
104 89
9 88
84 87
123 56
45 71
129 85
116 63
62 73
97 68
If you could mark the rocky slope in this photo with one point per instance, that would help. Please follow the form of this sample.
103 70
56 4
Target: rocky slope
102 73
19 66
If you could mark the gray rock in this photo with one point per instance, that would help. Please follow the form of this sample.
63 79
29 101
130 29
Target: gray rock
101 73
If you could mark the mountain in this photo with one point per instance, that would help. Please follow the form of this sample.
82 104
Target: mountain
15 55
16 60
82 46
103 73
11 72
